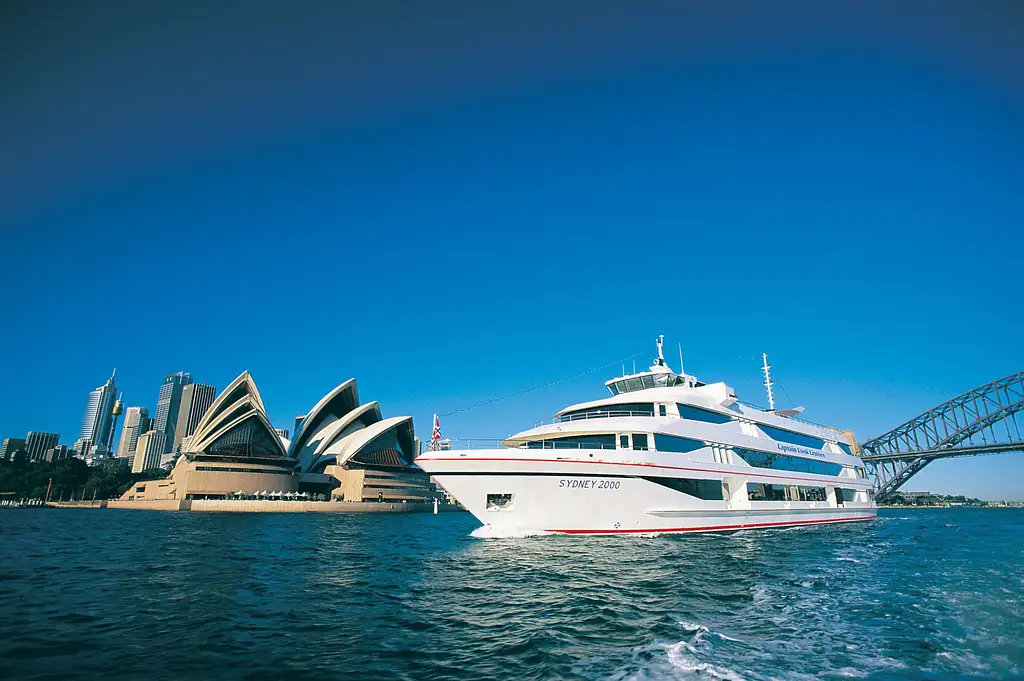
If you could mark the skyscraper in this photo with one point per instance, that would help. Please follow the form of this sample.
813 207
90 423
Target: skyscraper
136 422
10 445
150 448
36 444
196 398
98 420
168 404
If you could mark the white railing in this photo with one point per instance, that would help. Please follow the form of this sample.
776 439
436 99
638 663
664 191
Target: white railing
584 416
482 443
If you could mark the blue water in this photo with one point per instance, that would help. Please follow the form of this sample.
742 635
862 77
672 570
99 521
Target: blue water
106 594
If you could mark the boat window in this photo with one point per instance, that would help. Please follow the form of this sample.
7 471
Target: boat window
709 490
575 442
662 380
647 380
498 501
782 462
661 410
640 441
624 441
846 494
791 437
760 492
633 384
671 443
845 447
613 388
705 415
624 409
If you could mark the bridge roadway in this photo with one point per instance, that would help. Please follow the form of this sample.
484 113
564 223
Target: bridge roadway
980 421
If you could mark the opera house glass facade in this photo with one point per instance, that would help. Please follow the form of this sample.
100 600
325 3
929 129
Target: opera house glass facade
343 451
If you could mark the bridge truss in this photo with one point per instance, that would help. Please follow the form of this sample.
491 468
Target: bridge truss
981 421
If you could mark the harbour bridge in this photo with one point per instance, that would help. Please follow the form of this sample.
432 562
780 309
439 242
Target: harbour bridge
981 421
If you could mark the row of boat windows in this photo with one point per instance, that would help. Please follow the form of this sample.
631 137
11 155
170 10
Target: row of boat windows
692 413
759 492
672 443
713 490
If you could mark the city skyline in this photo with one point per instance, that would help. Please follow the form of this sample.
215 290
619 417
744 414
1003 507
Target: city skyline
522 209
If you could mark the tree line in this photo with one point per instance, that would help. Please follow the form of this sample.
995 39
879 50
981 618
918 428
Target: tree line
22 479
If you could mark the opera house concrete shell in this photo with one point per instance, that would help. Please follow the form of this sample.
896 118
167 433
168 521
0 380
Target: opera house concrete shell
342 450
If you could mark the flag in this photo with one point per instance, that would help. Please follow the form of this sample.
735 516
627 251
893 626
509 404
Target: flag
435 438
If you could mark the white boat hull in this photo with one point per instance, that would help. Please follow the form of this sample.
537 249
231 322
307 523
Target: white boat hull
615 500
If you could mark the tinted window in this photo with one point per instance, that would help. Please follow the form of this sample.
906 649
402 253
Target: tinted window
845 447
578 442
709 490
670 443
640 441
760 492
791 437
781 462
698 414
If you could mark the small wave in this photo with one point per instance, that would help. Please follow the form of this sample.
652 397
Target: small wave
846 559
489 532
681 656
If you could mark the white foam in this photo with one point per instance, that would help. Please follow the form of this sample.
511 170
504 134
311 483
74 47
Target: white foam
489 532
848 560
681 657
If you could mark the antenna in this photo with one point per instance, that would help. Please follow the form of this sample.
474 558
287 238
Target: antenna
768 381
659 341
634 366
681 372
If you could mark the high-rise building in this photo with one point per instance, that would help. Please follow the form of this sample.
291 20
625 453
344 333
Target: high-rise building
196 398
98 420
282 433
59 452
10 445
167 405
150 448
136 422
36 444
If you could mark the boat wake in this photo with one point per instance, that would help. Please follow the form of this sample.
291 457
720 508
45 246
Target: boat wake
489 532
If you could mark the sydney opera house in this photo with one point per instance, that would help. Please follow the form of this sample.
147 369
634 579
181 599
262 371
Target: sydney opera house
341 450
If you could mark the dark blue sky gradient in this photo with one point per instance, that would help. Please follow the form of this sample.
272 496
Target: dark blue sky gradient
452 204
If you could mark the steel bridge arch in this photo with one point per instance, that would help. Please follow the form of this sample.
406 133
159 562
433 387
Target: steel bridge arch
953 428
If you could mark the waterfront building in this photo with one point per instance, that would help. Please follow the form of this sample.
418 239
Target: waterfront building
136 422
342 449
11 445
352 453
196 398
59 452
168 404
148 450
98 421
37 443
282 433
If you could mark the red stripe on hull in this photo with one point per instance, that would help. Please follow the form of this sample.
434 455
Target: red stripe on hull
713 528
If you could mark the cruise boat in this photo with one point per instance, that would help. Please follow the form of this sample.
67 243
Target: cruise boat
662 453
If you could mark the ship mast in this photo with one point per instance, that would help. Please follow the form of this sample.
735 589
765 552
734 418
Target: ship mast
768 381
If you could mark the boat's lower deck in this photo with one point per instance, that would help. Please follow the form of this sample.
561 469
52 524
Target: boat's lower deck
579 503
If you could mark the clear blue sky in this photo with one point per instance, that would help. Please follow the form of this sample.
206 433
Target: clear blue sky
453 204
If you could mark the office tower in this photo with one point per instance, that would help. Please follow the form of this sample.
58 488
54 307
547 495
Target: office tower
59 452
10 445
36 444
196 398
281 432
148 451
167 405
98 420
136 422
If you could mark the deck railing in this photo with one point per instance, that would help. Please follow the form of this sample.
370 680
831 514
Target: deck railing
584 416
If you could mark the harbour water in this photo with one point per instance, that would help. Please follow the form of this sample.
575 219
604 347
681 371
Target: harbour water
112 594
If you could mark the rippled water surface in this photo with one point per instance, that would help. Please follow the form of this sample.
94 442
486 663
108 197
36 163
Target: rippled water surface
923 594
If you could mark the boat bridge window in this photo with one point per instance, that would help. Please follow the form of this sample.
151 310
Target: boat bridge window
760 492
782 462
624 409
575 442
645 381
709 490
671 443
705 415
845 447
791 437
